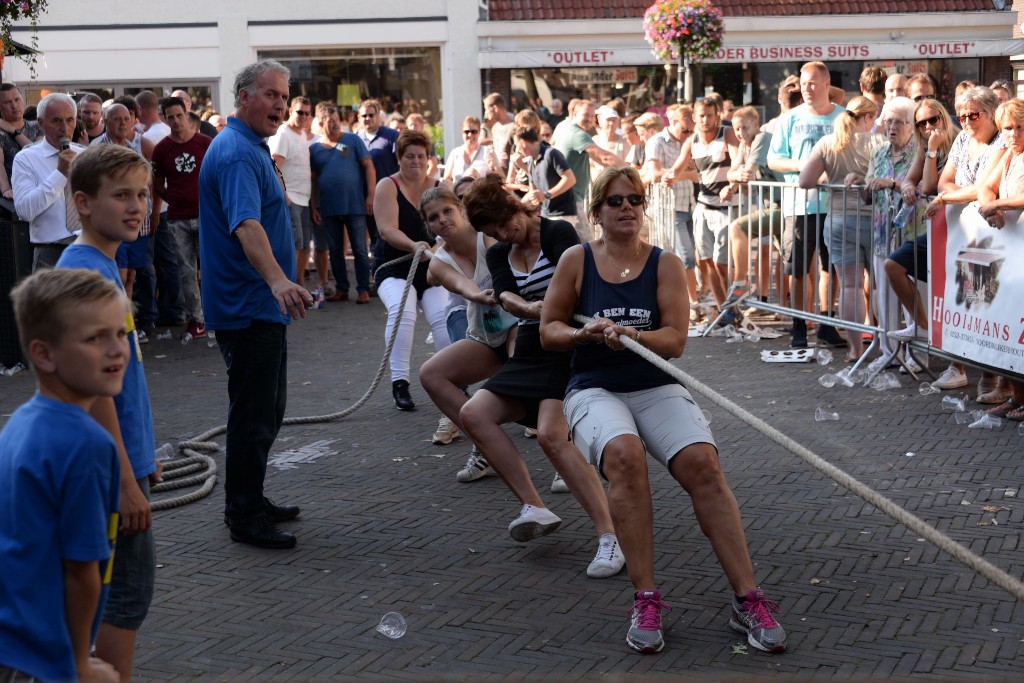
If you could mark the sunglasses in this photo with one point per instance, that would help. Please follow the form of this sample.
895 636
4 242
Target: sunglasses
972 116
302 113
470 131
368 116
933 121
615 200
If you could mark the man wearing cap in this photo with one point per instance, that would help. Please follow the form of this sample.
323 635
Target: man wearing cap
609 136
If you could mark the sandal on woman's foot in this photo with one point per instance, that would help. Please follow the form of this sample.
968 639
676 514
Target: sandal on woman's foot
1017 414
1005 408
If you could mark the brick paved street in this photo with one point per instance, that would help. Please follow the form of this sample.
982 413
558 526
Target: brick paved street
385 527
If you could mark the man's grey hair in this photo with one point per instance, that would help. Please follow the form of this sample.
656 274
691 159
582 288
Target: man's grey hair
247 77
50 99
981 96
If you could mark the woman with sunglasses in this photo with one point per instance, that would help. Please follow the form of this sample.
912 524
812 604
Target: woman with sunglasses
529 387
935 134
471 158
620 407
973 150
402 232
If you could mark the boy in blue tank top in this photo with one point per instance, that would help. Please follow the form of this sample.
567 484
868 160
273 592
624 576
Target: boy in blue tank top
59 473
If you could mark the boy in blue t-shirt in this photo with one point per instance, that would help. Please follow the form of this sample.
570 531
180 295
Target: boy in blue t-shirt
111 188
59 472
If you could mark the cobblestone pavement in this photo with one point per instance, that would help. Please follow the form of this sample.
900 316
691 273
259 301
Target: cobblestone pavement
385 527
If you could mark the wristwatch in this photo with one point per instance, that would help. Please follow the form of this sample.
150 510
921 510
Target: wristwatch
547 195
16 132
931 155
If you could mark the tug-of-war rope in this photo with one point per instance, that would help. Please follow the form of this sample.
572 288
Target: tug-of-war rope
175 471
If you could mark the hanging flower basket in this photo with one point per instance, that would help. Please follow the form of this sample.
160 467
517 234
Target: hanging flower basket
683 28
14 11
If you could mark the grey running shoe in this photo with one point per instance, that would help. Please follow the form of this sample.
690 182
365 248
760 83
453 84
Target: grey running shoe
754 617
644 633
476 467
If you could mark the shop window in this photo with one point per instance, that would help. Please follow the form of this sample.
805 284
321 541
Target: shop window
406 79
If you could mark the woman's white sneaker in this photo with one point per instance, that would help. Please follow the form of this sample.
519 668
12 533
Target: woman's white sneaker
476 467
951 378
609 560
532 523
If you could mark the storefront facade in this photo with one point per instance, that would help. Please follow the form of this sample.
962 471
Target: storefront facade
605 58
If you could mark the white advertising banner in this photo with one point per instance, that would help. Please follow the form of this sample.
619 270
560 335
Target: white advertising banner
502 59
976 287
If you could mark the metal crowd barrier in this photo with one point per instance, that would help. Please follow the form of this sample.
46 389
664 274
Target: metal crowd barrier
769 209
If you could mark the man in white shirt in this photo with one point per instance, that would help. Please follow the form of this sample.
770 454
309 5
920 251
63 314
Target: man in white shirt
40 178
290 150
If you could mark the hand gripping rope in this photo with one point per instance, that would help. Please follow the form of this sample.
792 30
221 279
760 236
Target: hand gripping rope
943 542
196 461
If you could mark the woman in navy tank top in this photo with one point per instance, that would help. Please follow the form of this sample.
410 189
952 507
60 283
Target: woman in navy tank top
619 407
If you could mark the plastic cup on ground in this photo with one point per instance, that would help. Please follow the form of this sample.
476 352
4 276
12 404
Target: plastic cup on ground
953 403
986 421
827 381
823 356
392 625
822 415
926 389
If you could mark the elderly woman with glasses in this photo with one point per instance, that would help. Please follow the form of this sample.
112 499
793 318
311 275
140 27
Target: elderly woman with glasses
471 158
891 162
935 135
973 150
620 407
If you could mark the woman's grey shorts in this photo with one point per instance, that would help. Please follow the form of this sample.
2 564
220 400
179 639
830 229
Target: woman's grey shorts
666 419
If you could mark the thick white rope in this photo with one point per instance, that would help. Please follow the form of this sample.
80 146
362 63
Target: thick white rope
943 542
192 447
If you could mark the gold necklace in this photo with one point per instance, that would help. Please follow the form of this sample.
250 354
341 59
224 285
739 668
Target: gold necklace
625 271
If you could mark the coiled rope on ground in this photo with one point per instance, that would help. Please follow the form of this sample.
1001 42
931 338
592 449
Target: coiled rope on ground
195 449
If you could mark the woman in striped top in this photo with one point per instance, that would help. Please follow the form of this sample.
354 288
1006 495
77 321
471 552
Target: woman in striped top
529 388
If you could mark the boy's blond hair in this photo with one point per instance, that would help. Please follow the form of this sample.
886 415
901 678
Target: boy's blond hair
43 299
97 162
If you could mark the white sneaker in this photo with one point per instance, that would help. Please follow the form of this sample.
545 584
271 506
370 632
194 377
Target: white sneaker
558 484
879 364
476 467
911 365
446 432
609 560
533 522
908 333
951 378
529 432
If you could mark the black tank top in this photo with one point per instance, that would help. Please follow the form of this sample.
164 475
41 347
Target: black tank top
410 222
634 304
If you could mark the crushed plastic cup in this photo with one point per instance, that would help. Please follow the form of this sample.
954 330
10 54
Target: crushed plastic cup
827 381
751 337
884 382
13 370
956 403
1020 429
822 415
962 417
823 356
986 421
165 452
162 336
392 625
926 389
845 377
735 339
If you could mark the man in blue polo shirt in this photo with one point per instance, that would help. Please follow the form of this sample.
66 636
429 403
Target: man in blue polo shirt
380 143
250 294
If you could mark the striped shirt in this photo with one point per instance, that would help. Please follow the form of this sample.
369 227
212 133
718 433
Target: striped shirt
533 285
713 162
